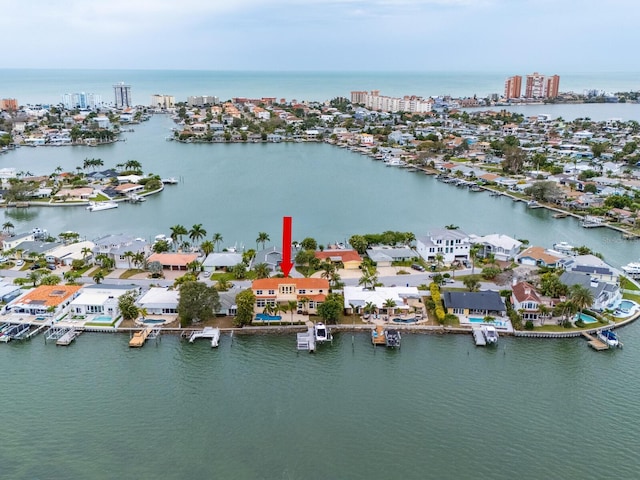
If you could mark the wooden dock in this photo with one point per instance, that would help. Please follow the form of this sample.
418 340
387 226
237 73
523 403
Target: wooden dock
140 337
306 340
478 337
68 337
595 343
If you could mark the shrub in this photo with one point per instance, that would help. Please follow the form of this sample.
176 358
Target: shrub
528 325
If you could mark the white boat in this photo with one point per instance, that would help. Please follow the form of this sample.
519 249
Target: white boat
632 268
392 338
609 337
170 181
97 206
563 247
396 162
321 333
490 334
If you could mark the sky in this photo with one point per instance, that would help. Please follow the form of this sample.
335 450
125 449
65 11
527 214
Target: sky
323 35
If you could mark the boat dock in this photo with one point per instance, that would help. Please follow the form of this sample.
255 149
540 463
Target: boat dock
68 337
140 337
478 337
208 332
595 343
62 335
306 340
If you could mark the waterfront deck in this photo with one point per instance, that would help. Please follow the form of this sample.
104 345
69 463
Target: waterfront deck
139 338
478 337
68 337
595 343
306 340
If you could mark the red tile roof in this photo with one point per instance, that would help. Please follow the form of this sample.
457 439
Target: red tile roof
345 255
305 283
174 259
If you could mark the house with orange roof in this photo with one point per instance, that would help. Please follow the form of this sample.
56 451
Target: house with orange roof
48 300
173 261
309 293
126 188
349 258
538 256
525 299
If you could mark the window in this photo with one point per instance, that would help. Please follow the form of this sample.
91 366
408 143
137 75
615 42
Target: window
302 291
261 302
258 292
271 292
286 289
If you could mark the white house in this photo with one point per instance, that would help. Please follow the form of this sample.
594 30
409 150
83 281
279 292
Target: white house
159 301
405 298
66 254
99 300
502 247
117 245
452 245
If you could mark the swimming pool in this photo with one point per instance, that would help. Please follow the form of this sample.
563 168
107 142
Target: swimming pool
102 319
626 306
586 318
496 323
405 320
153 321
263 317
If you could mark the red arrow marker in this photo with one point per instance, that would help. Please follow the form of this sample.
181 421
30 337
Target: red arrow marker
286 264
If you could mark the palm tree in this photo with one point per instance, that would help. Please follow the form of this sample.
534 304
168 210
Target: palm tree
217 240
98 276
581 296
177 231
223 285
34 276
389 304
207 247
262 270
369 308
194 266
328 268
85 252
197 232
292 306
368 280
7 227
472 283
139 259
262 239
474 250
129 256
439 259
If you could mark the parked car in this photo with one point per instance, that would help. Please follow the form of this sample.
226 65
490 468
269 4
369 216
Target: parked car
418 267
51 266
19 263
35 266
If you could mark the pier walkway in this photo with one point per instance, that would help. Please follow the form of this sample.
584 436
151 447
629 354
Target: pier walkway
478 337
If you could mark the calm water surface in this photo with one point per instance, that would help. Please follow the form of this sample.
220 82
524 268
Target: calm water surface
438 408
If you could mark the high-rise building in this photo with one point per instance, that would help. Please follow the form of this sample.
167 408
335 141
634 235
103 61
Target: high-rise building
123 95
541 86
162 101
81 100
513 87
9 104
202 100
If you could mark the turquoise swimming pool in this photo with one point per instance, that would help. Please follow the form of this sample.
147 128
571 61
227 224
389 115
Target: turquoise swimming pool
586 318
102 319
263 317
405 320
495 323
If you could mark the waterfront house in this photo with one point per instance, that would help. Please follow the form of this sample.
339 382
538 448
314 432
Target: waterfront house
590 265
128 188
452 245
385 255
12 242
526 301
349 258
606 295
9 291
404 298
115 247
159 301
81 194
502 247
538 256
35 248
45 300
100 300
474 304
271 256
173 261
221 261
308 292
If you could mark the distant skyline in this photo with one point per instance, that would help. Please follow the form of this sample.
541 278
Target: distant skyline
515 36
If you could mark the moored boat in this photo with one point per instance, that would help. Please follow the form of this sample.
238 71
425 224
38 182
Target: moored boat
97 206
632 268
609 337
321 333
392 338
490 334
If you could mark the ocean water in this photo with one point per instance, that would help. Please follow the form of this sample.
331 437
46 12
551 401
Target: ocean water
32 86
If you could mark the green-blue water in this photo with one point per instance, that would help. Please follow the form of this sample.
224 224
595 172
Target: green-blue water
438 408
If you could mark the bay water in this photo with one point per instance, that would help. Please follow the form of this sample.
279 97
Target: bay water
254 408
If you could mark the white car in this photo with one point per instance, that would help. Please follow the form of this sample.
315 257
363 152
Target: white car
19 263
206 274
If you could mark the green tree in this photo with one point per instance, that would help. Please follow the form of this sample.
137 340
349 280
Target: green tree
262 270
309 244
177 231
50 280
239 271
197 302
207 248
263 238
472 283
359 243
98 276
245 302
127 306
217 240
331 308
581 297
197 232
368 280
160 246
